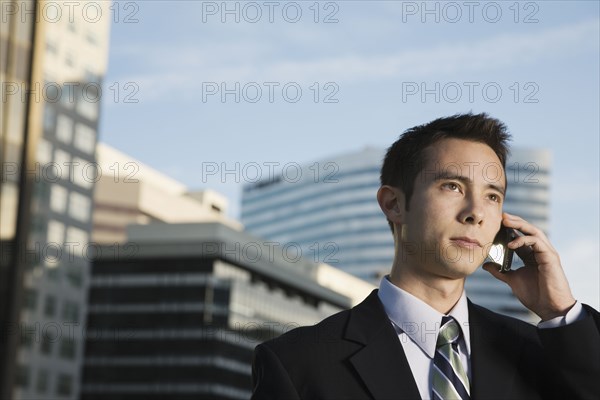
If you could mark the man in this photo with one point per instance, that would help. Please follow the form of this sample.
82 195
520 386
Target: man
418 336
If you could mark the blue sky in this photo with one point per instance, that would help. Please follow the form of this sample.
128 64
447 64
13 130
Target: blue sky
316 79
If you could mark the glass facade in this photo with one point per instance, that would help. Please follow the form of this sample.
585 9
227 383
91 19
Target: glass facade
330 213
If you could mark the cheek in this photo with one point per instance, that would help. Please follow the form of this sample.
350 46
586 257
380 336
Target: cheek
422 226
439 211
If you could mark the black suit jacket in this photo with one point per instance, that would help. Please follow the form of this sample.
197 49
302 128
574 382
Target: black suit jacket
356 354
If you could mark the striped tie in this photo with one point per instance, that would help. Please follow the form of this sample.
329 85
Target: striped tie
449 378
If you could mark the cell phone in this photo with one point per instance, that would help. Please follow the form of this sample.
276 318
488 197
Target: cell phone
499 252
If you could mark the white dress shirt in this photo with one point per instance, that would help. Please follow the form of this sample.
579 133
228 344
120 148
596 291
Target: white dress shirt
417 325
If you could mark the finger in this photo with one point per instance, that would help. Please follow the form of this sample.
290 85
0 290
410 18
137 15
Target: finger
494 269
523 243
527 254
516 222
513 221
541 254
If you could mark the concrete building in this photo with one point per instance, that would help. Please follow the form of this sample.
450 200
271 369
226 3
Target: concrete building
54 56
331 211
131 192
179 315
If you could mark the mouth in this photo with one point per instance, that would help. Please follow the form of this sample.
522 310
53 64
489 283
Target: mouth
466 242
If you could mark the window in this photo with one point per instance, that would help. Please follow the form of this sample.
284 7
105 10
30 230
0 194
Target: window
49 118
69 59
44 152
28 333
64 385
30 299
22 377
58 199
67 97
52 272
85 138
64 128
63 161
74 276
67 348
52 92
41 385
79 207
55 242
70 311
50 306
85 173
87 102
56 233
46 345
51 47
79 237
91 37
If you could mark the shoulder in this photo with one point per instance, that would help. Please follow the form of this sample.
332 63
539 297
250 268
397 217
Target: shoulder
329 330
334 336
485 314
490 324
306 355
304 362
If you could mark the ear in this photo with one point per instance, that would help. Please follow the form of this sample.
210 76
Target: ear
392 203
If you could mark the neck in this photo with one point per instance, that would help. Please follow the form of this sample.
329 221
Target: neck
441 293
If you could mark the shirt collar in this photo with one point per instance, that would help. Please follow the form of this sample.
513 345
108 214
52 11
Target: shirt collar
418 320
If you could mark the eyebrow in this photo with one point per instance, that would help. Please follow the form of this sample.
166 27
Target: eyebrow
467 180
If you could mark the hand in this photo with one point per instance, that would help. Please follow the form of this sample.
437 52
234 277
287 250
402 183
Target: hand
541 284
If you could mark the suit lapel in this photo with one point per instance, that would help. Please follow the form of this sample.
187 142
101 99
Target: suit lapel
494 356
381 363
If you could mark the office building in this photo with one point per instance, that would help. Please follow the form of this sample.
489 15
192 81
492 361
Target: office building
330 209
178 315
53 62
132 192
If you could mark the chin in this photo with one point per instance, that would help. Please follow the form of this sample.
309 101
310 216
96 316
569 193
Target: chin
455 271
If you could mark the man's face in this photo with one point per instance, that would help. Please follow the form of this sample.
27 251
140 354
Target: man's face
455 209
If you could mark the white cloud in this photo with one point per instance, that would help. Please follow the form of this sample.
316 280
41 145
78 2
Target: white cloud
490 53
184 68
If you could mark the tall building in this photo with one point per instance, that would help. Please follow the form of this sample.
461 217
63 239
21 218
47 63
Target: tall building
330 208
178 315
54 55
131 192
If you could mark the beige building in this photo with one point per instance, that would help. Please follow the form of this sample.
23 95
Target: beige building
131 192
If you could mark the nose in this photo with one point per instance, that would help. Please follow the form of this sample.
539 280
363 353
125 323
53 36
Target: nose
472 213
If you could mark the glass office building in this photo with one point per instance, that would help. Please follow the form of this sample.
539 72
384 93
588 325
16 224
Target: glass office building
331 212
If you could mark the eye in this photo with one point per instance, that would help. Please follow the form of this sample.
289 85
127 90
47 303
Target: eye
452 186
496 198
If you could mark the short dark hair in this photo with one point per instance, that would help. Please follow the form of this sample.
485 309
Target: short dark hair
405 159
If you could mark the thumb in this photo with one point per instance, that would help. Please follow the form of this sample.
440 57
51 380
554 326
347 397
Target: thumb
494 269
